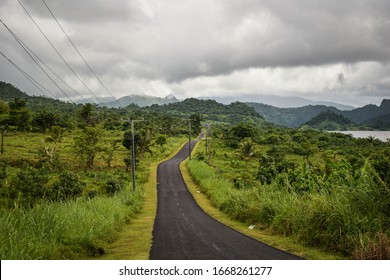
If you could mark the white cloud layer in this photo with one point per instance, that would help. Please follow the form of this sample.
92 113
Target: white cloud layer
324 50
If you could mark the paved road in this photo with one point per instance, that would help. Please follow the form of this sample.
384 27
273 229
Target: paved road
183 231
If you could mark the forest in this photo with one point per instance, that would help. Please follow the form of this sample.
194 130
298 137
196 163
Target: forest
65 175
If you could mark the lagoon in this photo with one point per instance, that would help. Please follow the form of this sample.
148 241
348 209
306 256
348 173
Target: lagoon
381 135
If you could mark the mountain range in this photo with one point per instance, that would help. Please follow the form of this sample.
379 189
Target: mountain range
141 100
367 117
370 116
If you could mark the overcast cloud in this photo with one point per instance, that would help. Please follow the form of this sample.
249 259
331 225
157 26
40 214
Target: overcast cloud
322 50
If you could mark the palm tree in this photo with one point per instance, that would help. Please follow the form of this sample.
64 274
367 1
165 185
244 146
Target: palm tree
247 149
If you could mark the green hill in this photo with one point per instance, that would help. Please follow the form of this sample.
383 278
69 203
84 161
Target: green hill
289 117
329 120
211 110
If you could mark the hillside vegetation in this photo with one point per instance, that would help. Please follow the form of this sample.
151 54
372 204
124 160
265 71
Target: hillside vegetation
369 117
325 190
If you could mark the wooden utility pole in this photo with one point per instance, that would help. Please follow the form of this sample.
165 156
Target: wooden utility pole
133 151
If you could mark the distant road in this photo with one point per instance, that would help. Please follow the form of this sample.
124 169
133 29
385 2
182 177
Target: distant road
183 231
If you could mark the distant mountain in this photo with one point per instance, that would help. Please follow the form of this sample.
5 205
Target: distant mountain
329 120
142 100
381 122
361 115
290 117
370 116
277 101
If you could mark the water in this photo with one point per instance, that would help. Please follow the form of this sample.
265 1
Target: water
381 135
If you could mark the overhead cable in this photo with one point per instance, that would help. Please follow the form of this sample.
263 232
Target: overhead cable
28 77
82 57
58 53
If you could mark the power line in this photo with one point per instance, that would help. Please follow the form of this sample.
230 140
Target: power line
43 70
28 77
59 54
51 70
82 57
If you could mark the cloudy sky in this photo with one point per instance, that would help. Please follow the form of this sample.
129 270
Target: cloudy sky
321 50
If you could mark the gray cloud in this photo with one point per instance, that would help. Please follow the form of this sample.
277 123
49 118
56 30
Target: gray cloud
176 41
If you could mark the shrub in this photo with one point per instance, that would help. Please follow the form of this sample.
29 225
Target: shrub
68 186
112 186
30 185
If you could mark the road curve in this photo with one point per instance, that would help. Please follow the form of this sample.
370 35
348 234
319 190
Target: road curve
183 231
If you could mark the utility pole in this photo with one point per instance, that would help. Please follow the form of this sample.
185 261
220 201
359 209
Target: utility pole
133 152
3 131
189 138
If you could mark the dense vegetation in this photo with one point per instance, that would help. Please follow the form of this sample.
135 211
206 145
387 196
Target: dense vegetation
330 121
326 190
65 174
65 181
369 117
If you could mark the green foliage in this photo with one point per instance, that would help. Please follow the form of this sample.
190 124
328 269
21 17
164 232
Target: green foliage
30 185
161 140
44 120
112 186
330 121
67 187
87 145
325 189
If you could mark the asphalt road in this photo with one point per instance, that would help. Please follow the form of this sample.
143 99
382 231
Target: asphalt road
182 231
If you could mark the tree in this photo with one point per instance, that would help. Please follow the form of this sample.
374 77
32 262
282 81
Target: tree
20 116
87 116
87 145
67 187
161 141
247 149
4 108
142 141
44 120
196 125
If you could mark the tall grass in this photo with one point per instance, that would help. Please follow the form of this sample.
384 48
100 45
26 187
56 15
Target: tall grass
68 230
352 220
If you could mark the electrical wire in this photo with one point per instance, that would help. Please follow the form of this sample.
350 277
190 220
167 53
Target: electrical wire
28 77
43 70
58 53
82 57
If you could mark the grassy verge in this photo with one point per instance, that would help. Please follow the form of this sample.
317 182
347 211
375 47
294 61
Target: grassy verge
69 230
82 228
213 199
135 238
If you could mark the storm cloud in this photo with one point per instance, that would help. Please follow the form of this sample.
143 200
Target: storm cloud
307 48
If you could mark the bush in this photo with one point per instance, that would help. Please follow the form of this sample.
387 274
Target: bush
30 185
67 187
112 186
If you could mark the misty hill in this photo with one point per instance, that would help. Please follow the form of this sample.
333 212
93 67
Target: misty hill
290 117
381 122
278 101
368 112
8 92
329 120
209 109
371 116
141 100
212 110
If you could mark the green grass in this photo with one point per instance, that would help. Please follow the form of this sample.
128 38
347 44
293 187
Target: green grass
83 228
342 221
68 230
